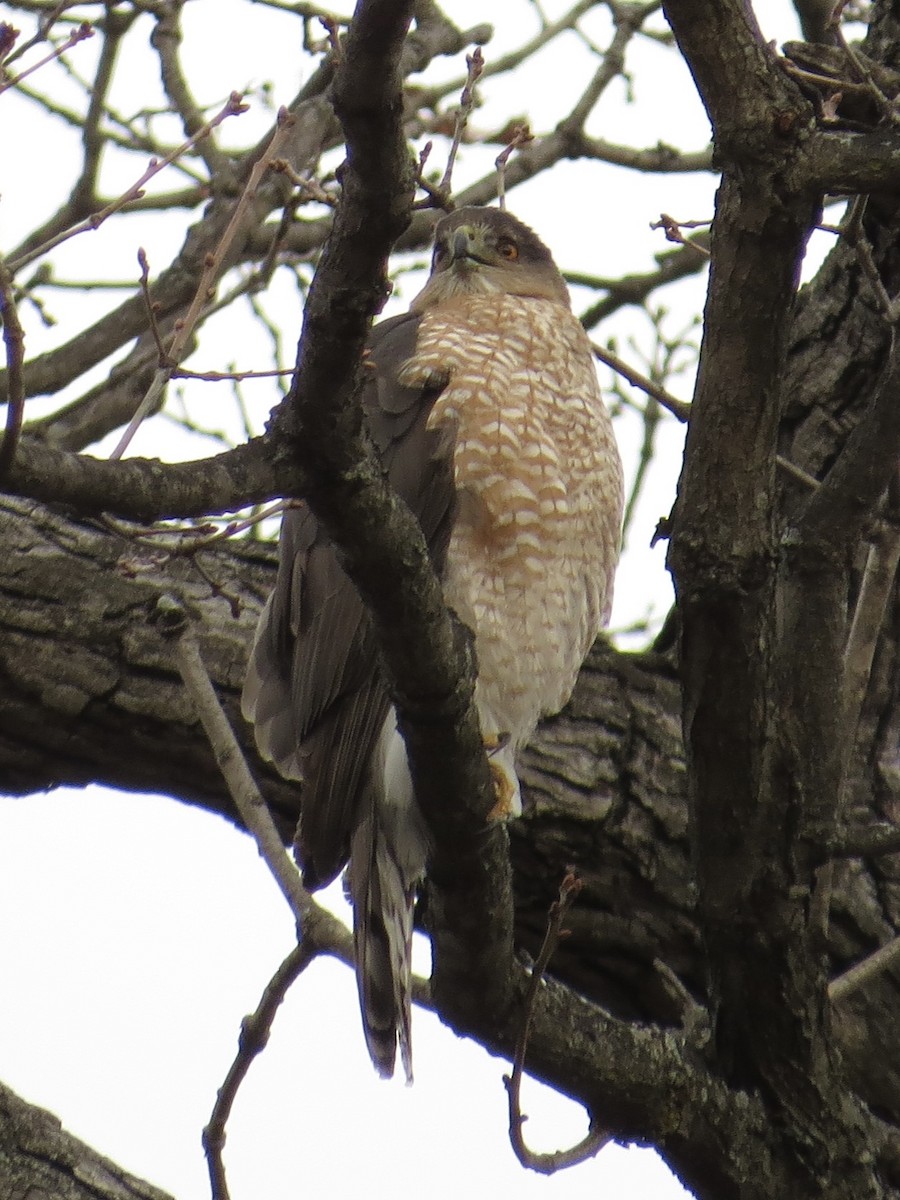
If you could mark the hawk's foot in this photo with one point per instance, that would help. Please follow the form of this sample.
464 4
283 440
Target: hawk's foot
506 788
505 793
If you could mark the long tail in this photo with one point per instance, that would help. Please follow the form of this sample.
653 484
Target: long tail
387 859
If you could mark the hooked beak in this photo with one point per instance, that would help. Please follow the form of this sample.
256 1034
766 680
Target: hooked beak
465 247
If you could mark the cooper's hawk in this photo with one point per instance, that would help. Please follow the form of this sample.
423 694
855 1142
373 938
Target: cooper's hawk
483 402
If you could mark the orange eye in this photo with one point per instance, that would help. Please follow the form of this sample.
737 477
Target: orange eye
509 250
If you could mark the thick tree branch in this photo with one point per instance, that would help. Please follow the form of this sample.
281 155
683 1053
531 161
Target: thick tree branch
636 289
44 1160
844 161
144 489
723 555
744 689
721 42
425 654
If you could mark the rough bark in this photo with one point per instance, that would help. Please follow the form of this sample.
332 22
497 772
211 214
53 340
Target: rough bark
97 697
699 1019
39 1159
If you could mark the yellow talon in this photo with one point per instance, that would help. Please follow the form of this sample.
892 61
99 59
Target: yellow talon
505 792
505 788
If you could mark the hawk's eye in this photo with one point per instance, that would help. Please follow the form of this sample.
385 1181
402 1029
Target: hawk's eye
508 249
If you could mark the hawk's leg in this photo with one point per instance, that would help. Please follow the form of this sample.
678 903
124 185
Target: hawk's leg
508 802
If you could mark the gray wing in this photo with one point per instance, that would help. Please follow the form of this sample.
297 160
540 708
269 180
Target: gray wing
314 690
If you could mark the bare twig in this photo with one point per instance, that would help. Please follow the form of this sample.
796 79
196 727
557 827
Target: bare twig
85 30
515 58
309 188
436 197
152 308
661 366
319 931
205 289
875 592
166 40
886 108
659 158
253 1039
229 376
852 230
634 289
521 136
266 269
243 790
883 958
233 107
424 155
596 1138
695 1019
795 472
673 232
42 32
14 341
475 65
188 539
628 19
678 408
309 12
123 134
318 926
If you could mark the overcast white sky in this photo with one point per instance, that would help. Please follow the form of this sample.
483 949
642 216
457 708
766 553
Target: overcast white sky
134 932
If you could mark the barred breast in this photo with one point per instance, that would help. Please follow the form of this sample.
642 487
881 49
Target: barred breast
532 557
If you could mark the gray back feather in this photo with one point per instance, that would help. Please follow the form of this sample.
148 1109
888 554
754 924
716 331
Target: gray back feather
318 701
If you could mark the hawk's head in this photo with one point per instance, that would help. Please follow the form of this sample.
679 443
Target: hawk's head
478 250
